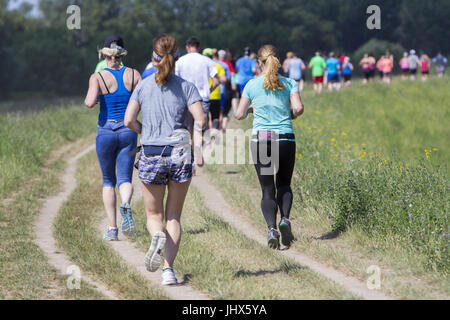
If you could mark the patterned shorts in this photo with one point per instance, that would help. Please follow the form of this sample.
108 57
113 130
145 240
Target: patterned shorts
159 170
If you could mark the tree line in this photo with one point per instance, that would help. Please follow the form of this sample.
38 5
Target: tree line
39 53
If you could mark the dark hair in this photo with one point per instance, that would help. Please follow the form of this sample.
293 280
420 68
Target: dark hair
113 39
165 46
193 42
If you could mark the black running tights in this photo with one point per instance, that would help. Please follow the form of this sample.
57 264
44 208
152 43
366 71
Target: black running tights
276 188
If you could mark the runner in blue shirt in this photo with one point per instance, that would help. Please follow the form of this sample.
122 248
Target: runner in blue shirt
333 67
246 67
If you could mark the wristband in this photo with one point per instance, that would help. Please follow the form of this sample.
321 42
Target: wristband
197 128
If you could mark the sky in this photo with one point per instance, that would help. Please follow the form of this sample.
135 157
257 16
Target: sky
15 4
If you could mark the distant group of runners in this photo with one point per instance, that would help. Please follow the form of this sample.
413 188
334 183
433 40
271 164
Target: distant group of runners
410 64
179 97
337 72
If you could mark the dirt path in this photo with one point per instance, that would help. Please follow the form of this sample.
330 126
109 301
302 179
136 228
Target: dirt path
43 226
217 204
135 258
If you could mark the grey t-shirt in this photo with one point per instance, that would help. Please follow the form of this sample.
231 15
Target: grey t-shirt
164 108
413 60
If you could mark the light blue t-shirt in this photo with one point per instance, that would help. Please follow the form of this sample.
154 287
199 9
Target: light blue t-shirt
245 66
271 109
295 69
332 65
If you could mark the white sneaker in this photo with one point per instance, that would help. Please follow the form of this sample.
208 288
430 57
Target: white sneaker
153 257
168 277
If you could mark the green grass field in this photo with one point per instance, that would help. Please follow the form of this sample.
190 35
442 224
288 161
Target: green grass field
371 177
30 130
377 158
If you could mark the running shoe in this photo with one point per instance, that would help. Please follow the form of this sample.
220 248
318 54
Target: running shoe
112 235
286 234
153 257
168 277
273 239
127 220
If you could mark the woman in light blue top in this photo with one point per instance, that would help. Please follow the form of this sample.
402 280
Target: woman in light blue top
274 101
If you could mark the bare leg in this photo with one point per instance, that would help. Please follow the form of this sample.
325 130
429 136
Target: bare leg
153 200
174 207
126 192
224 123
109 201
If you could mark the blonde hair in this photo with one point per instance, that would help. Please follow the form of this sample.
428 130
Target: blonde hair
165 46
268 57
115 54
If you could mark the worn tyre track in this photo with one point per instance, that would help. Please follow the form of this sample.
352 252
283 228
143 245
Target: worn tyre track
43 227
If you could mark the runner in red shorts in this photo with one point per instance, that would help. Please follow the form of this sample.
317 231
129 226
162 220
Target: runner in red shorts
318 66
318 79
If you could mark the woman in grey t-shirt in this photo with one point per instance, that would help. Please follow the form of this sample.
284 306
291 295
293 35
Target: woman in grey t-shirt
166 159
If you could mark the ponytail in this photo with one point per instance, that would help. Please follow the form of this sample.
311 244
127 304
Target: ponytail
165 68
164 52
268 56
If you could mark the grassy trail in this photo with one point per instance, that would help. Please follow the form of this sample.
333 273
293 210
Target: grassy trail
333 149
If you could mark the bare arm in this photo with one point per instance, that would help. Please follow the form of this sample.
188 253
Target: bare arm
199 124
93 91
215 84
223 79
243 108
297 105
131 115
137 78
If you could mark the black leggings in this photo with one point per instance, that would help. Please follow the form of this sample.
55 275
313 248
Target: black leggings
276 188
215 113
228 100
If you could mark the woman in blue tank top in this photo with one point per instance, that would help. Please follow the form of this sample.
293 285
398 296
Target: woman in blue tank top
112 87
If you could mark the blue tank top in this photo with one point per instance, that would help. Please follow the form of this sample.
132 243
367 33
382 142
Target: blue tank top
295 69
113 105
347 69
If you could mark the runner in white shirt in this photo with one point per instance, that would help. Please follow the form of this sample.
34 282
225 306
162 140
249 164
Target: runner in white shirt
197 69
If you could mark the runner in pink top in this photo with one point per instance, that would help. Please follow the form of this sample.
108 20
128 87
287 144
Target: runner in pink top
386 67
425 66
404 65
